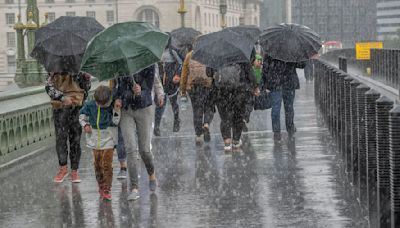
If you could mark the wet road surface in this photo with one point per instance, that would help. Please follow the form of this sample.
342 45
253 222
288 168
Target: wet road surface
292 184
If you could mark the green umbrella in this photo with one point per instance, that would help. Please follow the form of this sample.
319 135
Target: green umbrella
123 49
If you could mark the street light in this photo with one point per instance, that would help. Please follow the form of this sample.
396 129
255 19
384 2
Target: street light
223 8
182 12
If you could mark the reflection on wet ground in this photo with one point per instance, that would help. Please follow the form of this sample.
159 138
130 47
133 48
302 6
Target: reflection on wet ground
293 184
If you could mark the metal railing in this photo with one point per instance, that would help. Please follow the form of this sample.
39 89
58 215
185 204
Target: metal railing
364 120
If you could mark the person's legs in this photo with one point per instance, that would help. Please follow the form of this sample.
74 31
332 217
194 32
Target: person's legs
276 110
61 130
75 132
158 115
240 112
127 124
107 171
175 109
198 109
121 155
98 171
288 100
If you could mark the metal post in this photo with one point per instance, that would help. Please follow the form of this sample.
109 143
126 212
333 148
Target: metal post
347 99
362 153
354 133
383 106
394 139
223 7
370 130
343 63
342 121
182 12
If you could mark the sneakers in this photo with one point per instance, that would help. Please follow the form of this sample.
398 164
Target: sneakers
207 136
237 144
75 178
157 131
227 147
134 195
177 125
61 175
107 195
152 185
122 174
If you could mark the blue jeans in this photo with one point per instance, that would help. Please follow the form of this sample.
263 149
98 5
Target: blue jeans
121 147
288 99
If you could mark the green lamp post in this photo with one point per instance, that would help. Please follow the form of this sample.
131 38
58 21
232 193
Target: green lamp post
182 12
223 8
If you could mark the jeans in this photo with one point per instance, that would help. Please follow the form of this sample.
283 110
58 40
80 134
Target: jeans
68 129
141 121
160 110
288 100
202 113
121 147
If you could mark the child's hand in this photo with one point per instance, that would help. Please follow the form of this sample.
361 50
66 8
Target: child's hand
87 129
176 79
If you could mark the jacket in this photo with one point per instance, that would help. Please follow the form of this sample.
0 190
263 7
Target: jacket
104 122
279 75
123 89
59 85
170 65
187 76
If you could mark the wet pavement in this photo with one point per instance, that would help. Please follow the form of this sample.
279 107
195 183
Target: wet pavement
292 184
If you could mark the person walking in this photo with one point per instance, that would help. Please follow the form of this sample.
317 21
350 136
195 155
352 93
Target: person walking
67 92
170 70
234 84
195 81
121 152
133 94
282 80
99 121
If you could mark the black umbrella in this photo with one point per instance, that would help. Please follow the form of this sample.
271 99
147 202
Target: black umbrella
60 45
223 47
182 37
247 30
290 42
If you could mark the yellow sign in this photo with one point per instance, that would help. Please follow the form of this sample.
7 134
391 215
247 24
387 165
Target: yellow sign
363 49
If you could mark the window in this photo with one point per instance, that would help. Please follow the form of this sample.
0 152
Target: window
9 1
51 16
149 15
12 63
91 14
70 14
10 39
10 18
110 16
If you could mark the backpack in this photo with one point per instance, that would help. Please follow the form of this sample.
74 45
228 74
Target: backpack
197 72
229 76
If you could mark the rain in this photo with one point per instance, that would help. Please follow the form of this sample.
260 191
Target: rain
202 113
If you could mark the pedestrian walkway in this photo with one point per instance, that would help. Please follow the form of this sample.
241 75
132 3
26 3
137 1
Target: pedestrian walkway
295 184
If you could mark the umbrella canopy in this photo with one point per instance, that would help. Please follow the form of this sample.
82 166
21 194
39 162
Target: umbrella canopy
223 47
60 45
290 42
246 30
182 37
124 49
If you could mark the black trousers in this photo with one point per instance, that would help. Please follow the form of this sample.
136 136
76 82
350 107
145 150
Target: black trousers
203 112
159 112
68 130
231 106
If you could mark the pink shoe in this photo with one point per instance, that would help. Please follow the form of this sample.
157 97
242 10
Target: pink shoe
75 176
61 175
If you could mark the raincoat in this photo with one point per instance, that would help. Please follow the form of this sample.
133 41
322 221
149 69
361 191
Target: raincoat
104 122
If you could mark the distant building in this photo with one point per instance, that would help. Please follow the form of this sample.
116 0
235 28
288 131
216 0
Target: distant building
388 20
347 21
203 15
275 12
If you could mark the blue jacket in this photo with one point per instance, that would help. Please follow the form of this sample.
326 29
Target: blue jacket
106 116
123 89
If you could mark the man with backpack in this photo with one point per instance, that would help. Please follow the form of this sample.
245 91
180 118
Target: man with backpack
195 81
234 84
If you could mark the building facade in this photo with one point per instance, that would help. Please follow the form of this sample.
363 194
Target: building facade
348 21
203 15
275 12
388 20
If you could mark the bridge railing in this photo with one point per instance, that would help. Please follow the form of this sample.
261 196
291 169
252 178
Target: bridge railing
363 117
26 118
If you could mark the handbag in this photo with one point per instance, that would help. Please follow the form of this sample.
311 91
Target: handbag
264 101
